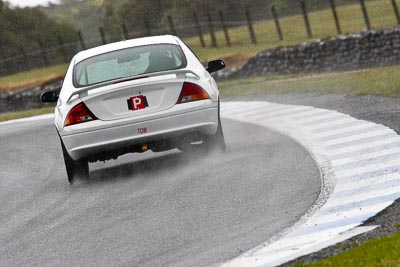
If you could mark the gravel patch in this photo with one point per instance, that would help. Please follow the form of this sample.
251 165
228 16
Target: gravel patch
382 110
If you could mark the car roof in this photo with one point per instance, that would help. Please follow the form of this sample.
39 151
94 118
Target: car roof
162 39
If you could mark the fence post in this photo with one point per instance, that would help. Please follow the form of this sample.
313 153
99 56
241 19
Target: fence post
61 44
172 26
221 18
196 21
81 40
44 53
335 17
3 57
147 26
277 24
365 14
125 31
102 35
250 26
212 32
25 57
306 21
396 11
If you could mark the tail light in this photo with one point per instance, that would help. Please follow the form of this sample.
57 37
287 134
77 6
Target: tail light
78 114
192 92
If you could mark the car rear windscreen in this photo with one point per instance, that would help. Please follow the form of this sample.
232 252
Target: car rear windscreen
127 63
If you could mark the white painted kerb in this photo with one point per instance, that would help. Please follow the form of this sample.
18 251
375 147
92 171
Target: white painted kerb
360 169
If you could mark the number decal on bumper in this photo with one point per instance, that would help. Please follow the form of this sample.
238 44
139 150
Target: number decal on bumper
142 130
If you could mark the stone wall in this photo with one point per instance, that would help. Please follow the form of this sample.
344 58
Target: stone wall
355 51
27 99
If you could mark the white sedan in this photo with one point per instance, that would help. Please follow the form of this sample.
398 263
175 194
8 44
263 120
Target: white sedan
132 96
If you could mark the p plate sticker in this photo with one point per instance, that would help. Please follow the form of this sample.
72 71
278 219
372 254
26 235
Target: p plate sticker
137 102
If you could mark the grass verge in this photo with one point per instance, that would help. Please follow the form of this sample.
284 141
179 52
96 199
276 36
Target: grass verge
32 78
376 252
26 113
379 81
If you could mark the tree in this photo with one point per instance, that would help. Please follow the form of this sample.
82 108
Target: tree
30 28
110 22
135 12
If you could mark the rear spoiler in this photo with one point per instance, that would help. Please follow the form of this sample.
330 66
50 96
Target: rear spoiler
84 90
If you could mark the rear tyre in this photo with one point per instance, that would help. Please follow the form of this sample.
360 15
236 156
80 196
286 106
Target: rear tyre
217 141
208 142
76 169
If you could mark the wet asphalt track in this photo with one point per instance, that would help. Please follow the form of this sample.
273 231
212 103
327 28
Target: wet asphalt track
149 209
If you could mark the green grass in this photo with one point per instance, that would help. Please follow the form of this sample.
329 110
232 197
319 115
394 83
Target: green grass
380 81
322 24
376 252
23 114
31 78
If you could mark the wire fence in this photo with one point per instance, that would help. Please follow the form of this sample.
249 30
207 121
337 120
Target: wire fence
198 24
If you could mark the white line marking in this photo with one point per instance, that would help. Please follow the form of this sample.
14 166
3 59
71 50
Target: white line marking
346 128
311 118
366 155
332 128
358 196
329 119
369 168
355 137
279 113
371 181
338 123
349 213
388 141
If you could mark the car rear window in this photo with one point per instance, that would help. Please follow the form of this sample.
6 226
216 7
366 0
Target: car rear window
128 62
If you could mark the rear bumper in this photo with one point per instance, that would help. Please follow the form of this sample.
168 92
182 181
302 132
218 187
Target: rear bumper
112 137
